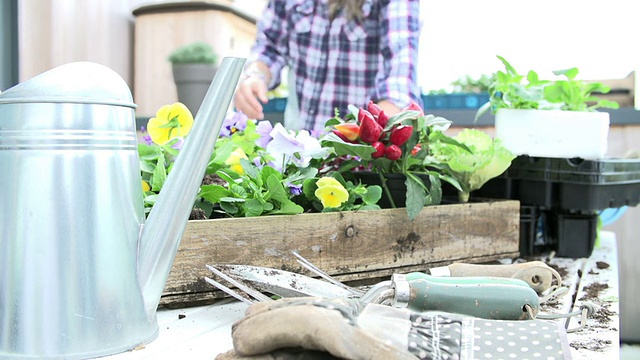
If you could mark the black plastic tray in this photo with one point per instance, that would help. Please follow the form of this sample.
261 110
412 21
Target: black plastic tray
568 184
575 171
560 198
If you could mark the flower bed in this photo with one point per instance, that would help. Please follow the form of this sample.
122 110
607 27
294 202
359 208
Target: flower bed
271 191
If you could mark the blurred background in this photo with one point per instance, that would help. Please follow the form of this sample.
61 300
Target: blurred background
460 39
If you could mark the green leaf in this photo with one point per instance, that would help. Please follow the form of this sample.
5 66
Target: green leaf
309 188
372 195
250 170
149 152
415 196
227 199
148 166
276 190
434 197
229 177
268 172
569 73
229 208
437 122
222 152
288 208
510 69
344 148
482 110
403 117
253 207
213 193
159 175
369 207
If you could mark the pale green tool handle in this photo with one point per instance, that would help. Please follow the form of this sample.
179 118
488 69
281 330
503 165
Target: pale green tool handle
484 297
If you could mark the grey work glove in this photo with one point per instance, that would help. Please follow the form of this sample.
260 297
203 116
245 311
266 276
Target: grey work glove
314 328
343 328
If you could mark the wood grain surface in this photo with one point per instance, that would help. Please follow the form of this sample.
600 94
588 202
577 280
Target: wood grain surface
349 245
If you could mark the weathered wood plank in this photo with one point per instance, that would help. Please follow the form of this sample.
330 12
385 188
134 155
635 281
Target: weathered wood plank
348 245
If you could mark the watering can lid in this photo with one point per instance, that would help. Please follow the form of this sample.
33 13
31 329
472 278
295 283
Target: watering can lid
77 82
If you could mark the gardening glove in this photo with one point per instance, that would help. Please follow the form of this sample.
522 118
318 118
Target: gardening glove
305 328
344 328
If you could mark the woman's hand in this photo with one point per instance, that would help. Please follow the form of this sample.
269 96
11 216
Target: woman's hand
252 90
388 107
250 95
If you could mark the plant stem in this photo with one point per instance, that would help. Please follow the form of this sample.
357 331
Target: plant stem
463 196
383 181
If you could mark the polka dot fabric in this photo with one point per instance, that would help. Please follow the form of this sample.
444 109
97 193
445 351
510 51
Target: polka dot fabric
448 337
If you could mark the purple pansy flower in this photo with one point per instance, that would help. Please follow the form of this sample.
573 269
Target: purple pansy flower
295 189
178 144
235 121
146 137
287 147
263 128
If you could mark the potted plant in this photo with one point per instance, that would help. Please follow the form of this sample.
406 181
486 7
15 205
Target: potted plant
549 118
193 67
409 155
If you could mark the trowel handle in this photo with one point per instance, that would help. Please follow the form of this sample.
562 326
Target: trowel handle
535 273
484 297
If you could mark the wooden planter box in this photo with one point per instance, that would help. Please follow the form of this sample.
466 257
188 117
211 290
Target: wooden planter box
365 245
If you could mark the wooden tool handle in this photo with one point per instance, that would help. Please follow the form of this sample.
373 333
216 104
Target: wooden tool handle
536 273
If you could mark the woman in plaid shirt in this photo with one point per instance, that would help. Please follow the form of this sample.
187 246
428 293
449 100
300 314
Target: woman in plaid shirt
341 51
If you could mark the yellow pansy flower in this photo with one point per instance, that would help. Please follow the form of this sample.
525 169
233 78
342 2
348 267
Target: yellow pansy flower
331 192
145 186
171 121
234 160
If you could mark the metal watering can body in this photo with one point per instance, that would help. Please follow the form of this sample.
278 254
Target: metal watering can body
81 274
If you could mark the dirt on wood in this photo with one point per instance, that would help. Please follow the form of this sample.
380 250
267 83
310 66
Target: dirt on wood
593 291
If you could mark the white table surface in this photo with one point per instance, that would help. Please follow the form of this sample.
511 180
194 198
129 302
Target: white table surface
205 331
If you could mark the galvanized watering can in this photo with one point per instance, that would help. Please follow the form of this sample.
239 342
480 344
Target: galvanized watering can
81 273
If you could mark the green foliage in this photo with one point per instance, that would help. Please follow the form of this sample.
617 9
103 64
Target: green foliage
416 161
265 191
485 159
194 53
244 189
257 192
511 90
155 164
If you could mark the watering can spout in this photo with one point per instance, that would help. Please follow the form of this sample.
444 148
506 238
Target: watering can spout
163 230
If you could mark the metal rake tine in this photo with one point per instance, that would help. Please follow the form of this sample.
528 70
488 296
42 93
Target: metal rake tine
228 291
250 291
307 264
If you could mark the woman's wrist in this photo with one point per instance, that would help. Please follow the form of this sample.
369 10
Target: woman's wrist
254 71
255 74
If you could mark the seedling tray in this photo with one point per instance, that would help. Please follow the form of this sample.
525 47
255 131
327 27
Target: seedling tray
568 184
560 198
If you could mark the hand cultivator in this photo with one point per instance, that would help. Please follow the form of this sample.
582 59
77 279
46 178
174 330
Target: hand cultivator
489 297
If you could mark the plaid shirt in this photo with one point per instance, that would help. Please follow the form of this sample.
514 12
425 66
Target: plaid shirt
341 62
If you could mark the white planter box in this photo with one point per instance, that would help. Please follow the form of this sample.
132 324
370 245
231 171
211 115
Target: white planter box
553 133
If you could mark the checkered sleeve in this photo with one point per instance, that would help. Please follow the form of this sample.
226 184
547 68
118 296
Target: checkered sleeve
397 80
271 44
